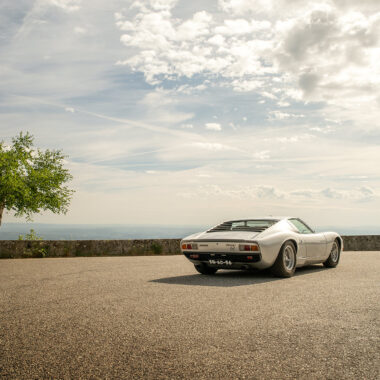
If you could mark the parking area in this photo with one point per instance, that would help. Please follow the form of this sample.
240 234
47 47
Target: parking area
156 318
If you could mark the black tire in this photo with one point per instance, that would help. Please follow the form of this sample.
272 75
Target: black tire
204 269
333 259
285 264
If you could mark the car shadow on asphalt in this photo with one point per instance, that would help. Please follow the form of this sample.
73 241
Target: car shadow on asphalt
229 278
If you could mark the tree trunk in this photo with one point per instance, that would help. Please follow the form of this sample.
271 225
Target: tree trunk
1 213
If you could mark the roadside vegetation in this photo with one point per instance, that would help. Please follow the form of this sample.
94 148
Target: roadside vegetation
30 236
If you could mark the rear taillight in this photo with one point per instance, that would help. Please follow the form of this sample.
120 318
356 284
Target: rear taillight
249 247
187 246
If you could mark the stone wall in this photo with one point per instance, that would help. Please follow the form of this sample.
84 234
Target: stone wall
71 248
361 242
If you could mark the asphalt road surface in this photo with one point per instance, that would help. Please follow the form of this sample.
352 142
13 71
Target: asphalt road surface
156 318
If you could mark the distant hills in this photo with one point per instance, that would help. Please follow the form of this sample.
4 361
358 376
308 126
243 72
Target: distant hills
11 231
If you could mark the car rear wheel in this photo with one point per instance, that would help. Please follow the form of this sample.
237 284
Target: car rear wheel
204 269
285 264
334 257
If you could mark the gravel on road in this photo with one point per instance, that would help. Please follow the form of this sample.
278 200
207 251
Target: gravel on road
156 318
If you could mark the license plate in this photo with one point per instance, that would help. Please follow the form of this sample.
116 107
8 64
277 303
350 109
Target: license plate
220 262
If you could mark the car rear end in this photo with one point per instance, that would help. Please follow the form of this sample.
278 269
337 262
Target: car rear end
223 254
229 245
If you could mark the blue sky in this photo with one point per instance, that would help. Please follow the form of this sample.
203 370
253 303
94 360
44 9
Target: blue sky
177 112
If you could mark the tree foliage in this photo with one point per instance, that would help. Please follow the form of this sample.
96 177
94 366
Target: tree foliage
32 180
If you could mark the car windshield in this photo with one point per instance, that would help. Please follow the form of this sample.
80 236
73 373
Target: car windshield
256 225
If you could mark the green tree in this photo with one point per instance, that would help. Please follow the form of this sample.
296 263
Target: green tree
32 180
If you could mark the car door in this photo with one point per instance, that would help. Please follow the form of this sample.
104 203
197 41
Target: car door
315 242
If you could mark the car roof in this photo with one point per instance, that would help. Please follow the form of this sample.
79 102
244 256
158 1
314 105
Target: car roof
271 217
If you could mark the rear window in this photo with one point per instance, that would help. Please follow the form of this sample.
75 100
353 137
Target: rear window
255 225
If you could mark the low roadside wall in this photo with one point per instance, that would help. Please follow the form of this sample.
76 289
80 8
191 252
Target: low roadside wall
71 248
361 242
142 247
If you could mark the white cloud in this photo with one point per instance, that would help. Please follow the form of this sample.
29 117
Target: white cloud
67 5
361 194
236 27
198 25
274 193
80 30
261 155
213 126
283 104
279 115
268 192
217 39
162 5
295 138
299 51
155 31
160 107
325 130
215 147
171 47
118 16
241 192
242 7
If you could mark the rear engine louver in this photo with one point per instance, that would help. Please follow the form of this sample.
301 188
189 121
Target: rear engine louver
227 226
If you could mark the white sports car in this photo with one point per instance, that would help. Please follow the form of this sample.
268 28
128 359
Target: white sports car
281 244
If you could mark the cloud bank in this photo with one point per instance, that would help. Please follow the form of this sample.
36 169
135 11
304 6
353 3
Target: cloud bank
175 111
